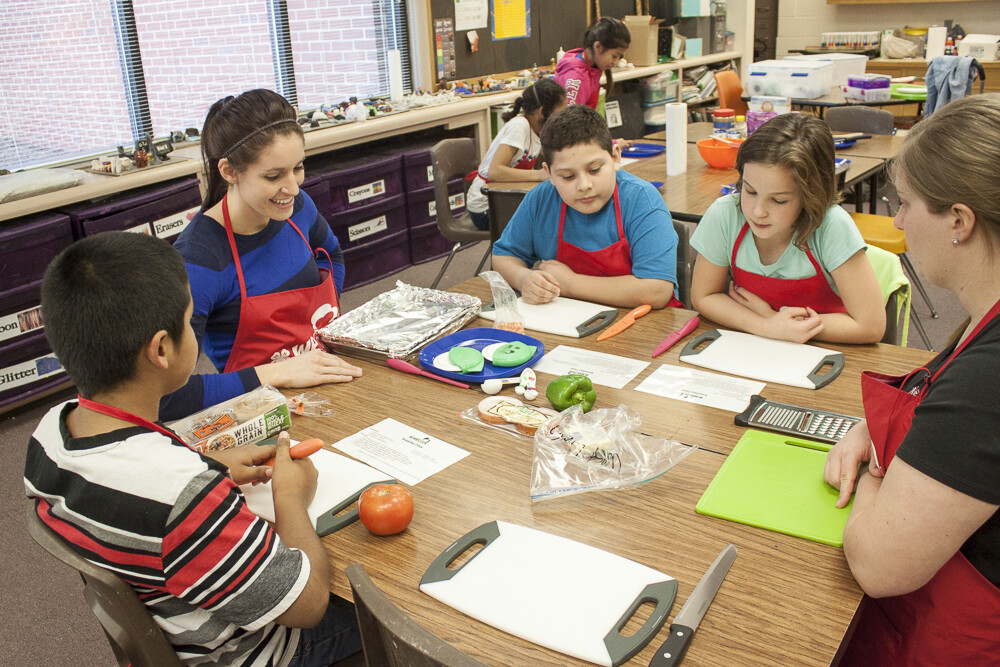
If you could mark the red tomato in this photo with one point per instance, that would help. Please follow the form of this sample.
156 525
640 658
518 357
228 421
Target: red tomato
386 509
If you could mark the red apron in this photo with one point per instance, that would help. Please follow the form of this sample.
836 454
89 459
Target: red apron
954 619
283 324
615 260
523 163
814 292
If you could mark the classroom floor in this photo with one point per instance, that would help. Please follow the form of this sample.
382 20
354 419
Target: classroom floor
45 620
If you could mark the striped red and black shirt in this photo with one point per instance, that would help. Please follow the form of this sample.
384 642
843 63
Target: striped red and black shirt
173 525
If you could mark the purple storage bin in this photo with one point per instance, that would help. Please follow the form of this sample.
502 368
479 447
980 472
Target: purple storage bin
358 180
426 243
420 204
28 368
27 245
371 261
318 189
369 224
20 312
164 209
417 168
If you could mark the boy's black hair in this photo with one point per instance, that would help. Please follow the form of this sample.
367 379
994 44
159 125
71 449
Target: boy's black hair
105 297
576 124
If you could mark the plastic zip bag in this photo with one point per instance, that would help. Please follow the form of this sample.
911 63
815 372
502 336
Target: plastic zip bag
601 449
508 317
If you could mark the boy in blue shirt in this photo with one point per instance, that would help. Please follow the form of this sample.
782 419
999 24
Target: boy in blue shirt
592 231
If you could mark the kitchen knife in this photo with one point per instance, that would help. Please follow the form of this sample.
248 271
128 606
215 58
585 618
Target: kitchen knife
625 322
668 342
686 622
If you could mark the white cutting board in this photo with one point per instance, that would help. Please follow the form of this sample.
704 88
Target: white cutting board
552 591
764 359
563 317
341 480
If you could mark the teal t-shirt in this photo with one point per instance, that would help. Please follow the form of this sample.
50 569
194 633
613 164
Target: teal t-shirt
836 241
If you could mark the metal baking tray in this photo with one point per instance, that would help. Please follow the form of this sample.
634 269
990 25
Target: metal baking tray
399 322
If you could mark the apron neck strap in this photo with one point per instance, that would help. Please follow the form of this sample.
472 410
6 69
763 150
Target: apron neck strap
118 413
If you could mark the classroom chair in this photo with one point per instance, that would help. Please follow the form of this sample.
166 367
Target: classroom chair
502 206
860 119
451 158
391 638
878 231
895 294
730 89
134 636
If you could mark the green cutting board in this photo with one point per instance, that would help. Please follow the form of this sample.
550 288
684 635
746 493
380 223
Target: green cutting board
774 481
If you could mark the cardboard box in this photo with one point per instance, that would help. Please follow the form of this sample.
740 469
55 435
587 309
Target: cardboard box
985 48
645 31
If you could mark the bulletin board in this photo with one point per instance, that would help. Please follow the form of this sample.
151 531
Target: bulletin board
511 19
549 25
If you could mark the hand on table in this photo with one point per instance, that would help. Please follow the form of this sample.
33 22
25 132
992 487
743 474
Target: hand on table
540 286
625 144
841 469
308 370
794 324
245 462
292 480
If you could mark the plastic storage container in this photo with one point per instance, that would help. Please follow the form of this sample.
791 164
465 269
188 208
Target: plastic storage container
798 79
368 262
367 224
844 64
27 368
659 88
358 179
164 209
426 242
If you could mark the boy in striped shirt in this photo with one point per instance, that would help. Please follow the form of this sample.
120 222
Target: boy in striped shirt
127 494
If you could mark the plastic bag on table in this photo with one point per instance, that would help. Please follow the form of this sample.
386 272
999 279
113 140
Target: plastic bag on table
504 303
310 404
601 449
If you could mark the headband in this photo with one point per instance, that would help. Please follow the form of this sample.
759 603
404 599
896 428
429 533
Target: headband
255 133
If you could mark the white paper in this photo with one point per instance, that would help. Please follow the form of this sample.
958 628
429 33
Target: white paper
401 451
470 14
395 74
628 160
936 37
608 370
701 387
339 478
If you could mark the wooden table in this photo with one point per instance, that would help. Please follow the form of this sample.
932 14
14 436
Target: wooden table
785 601
689 194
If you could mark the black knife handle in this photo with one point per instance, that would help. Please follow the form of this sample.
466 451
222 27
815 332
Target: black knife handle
673 650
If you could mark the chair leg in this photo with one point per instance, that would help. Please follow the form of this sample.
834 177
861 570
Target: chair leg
916 281
486 255
444 267
919 326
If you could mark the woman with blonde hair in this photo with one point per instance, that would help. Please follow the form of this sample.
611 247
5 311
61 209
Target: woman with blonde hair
923 538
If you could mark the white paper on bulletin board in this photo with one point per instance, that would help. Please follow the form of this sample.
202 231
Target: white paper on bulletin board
511 19
471 14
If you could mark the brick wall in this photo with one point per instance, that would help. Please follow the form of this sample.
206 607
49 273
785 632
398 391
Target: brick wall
194 52
61 82
333 49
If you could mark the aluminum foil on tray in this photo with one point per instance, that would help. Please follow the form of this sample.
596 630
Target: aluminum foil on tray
399 322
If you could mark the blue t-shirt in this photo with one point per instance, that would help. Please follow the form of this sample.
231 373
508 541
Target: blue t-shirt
274 260
533 232
835 241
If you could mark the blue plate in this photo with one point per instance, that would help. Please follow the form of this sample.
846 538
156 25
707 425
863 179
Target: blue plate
643 150
844 143
479 338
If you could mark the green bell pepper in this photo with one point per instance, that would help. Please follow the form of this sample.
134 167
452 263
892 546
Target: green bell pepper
569 390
